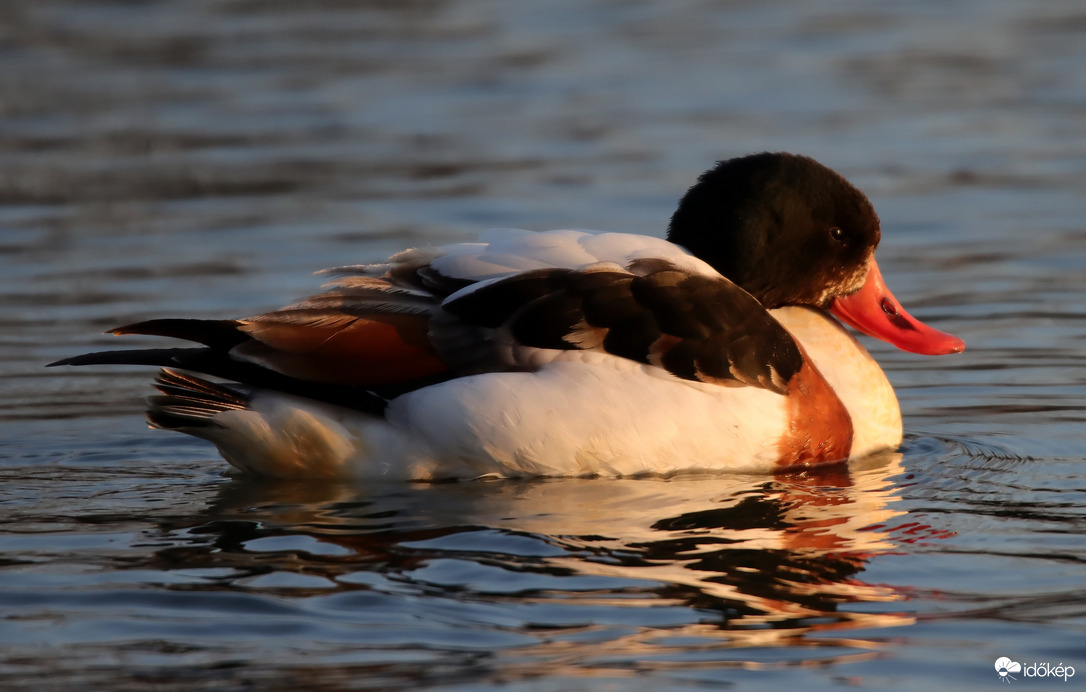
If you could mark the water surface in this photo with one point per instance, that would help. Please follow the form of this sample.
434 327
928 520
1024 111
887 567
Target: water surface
203 158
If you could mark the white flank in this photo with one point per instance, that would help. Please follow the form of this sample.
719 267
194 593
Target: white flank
590 413
581 414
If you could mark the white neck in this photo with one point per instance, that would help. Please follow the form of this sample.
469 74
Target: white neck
854 375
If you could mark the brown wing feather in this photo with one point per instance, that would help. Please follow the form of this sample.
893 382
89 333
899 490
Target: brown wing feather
325 346
364 331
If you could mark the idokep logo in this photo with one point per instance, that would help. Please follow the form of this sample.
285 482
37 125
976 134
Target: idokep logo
1005 666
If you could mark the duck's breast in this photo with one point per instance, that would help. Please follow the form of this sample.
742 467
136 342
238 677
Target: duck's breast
853 375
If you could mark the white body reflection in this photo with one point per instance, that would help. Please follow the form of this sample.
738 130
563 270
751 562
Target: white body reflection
731 562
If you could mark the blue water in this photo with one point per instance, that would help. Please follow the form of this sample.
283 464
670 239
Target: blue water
204 158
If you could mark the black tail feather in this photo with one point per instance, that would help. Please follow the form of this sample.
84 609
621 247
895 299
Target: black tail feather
221 335
208 361
146 356
179 387
190 402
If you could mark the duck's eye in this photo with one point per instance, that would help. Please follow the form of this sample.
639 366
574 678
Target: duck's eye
837 234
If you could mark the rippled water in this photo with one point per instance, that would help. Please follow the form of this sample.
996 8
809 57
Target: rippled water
202 158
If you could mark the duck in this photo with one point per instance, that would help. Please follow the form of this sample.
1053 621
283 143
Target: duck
722 348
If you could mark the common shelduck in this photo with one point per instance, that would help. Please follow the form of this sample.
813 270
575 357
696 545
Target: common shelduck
568 353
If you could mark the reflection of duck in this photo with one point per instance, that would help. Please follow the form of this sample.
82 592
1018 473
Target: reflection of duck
568 353
726 562
778 551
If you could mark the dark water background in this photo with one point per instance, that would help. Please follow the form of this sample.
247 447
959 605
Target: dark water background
202 158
